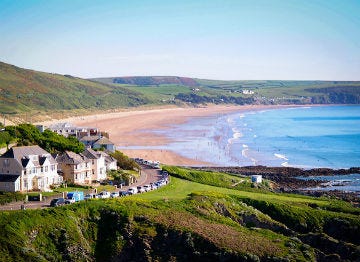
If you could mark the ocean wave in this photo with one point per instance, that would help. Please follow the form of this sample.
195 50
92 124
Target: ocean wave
285 164
243 152
230 120
235 130
241 116
237 135
281 156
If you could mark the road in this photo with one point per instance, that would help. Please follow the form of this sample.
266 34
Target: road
148 175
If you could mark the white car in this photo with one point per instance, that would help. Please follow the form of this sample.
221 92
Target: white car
132 191
140 189
90 196
147 188
104 194
114 194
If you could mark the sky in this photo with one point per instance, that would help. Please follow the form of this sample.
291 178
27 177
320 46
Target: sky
211 39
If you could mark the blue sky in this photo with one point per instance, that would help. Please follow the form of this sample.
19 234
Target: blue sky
240 39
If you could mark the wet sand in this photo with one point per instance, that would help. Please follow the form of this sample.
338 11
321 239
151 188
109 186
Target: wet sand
136 128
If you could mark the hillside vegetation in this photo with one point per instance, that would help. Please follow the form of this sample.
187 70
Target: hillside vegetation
23 90
27 134
216 220
30 92
198 91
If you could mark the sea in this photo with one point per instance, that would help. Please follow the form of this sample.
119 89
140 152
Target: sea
305 137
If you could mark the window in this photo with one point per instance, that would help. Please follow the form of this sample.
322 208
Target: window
6 162
34 170
46 169
42 169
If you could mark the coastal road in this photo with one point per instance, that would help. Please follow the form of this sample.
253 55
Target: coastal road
148 175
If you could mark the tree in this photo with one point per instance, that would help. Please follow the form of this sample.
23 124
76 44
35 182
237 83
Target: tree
5 138
124 162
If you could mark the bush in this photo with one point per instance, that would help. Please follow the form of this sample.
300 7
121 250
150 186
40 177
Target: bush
124 162
7 197
27 134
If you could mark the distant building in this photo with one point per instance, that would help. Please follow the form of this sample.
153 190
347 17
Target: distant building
67 129
97 142
247 92
256 178
36 169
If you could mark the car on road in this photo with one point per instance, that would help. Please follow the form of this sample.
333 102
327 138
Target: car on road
123 193
140 189
114 194
132 191
147 188
90 196
104 194
57 202
70 200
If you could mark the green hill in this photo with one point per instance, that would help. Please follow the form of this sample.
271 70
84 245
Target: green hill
216 220
28 91
193 90
23 90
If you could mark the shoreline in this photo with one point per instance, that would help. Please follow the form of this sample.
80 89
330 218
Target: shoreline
137 128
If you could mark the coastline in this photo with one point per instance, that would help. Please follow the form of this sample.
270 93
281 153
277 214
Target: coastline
136 128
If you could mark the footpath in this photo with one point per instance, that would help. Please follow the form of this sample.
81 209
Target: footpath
147 176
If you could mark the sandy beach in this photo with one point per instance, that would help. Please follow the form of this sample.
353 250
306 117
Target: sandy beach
135 128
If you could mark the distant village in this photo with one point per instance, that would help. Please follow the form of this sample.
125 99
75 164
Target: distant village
31 168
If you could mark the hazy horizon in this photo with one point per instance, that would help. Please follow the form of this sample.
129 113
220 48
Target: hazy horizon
222 40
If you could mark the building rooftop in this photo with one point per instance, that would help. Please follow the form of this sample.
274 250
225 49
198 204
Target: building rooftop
22 153
8 178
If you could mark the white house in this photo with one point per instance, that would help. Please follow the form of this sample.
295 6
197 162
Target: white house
256 178
36 167
97 142
98 164
110 162
68 129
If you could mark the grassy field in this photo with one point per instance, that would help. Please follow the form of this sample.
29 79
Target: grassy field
186 220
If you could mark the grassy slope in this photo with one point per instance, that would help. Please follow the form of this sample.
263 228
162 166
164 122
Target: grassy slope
281 91
23 90
28 91
185 220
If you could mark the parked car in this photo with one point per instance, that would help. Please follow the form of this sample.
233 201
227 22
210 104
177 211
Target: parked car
90 196
57 202
104 194
140 189
114 194
147 188
123 193
132 191
70 200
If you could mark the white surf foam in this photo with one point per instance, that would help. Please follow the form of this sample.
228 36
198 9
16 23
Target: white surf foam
281 156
